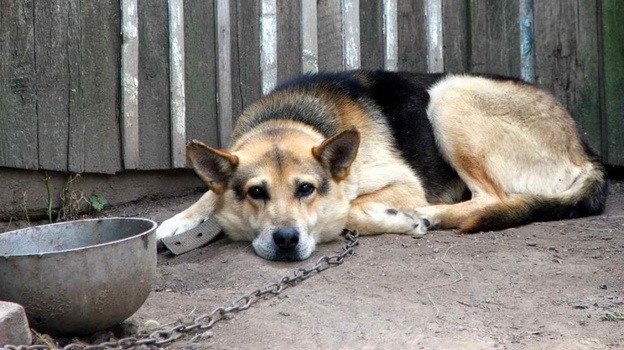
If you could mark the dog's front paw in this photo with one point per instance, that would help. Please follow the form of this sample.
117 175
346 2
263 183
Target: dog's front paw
174 226
421 226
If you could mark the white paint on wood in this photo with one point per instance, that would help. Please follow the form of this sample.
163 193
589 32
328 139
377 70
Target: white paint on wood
309 37
268 45
391 35
176 83
130 83
435 48
224 69
351 34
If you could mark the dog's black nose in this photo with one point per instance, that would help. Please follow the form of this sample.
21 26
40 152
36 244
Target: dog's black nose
286 238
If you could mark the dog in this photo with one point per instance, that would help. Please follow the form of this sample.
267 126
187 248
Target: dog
392 152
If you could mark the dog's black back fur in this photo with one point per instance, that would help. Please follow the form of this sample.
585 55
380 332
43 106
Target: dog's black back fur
402 98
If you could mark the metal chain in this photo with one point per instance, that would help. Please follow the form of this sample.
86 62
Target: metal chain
207 321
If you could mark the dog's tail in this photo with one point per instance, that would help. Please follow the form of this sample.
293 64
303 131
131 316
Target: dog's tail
587 196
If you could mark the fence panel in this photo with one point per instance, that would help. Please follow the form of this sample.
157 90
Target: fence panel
18 99
60 83
613 75
154 107
567 60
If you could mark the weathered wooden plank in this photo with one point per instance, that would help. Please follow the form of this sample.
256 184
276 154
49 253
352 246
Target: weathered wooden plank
613 56
18 118
435 42
245 37
329 28
495 38
566 56
391 35
201 72
224 71
309 36
456 35
412 36
99 85
77 126
527 35
351 34
52 83
372 34
268 45
154 104
289 39
130 83
177 83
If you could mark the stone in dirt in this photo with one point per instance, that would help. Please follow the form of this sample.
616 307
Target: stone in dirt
14 327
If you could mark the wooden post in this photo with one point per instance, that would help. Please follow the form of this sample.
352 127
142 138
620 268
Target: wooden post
268 45
527 31
351 34
224 72
391 38
309 37
177 81
130 83
435 42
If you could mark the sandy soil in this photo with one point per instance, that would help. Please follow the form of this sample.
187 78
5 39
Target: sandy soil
541 286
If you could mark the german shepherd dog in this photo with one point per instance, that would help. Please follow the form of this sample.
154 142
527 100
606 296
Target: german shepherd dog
388 152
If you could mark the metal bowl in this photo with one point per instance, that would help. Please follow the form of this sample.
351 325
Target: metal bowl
79 277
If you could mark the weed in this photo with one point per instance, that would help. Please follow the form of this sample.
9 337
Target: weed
24 205
97 201
71 201
47 185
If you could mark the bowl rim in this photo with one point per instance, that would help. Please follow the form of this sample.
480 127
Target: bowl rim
151 229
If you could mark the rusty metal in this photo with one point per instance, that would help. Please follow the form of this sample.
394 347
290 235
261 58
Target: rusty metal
207 321
79 277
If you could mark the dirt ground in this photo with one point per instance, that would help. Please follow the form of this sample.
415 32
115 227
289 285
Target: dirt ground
541 286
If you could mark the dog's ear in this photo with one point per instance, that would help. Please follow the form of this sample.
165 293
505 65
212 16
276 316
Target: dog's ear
338 152
214 166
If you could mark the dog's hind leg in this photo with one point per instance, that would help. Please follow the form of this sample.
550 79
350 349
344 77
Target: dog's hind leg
388 210
189 218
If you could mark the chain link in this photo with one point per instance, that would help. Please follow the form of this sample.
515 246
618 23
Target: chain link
207 321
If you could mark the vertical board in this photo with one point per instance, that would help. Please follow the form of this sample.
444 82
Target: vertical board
77 125
435 42
268 45
154 123
412 34
309 36
613 56
351 34
288 39
495 37
201 73
224 71
527 41
52 83
130 83
456 28
18 118
245 38
177 83
99 85
329 28
390 31
372 34
566 55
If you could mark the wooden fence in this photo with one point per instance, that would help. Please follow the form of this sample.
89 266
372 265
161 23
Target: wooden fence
77 96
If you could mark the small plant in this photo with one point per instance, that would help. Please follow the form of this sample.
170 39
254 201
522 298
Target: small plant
24 206
71 201
47 185
616 316
97 201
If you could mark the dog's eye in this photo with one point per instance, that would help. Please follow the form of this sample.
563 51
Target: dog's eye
305 189
257 192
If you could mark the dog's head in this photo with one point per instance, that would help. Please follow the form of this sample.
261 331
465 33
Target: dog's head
281 188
